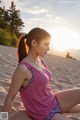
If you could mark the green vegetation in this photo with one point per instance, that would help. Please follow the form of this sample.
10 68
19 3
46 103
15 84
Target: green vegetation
69 56
10 25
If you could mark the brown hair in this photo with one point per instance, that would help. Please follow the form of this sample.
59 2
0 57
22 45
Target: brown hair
25 41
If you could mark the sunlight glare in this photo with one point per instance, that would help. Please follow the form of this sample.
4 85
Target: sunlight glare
64 38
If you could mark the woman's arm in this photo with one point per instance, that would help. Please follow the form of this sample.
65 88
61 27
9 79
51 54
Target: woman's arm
17 80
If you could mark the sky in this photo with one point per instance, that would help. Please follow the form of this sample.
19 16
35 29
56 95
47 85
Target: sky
61 18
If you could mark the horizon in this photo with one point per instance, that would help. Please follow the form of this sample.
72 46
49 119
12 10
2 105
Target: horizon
75 54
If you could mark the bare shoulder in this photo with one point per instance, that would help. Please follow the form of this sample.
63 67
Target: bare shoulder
21 71
22 68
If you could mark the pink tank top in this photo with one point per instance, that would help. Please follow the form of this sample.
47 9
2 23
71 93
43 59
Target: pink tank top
37 96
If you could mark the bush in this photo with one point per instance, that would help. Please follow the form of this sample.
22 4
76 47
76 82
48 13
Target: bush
14 40
7 39
68 56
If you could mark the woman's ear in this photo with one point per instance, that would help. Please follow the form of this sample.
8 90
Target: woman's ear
34 43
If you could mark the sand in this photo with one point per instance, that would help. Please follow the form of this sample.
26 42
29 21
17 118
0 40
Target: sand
65 75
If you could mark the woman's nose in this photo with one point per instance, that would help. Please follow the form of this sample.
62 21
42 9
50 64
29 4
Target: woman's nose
48 48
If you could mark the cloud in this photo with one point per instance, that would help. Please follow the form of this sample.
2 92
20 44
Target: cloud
49 15
58 20
55 19
35 10
49 20
34 20
27 6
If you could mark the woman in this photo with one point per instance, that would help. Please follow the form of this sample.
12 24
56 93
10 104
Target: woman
32 77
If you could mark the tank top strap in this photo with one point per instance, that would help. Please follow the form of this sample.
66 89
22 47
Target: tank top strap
26 64
43 63
30 66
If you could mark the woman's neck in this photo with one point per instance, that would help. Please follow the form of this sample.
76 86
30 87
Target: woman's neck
32 57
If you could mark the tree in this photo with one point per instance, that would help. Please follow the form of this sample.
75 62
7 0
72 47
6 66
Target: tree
10 19
4 18
15 22
10 25
2 22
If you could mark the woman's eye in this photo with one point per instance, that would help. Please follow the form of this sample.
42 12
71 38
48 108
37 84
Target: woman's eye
47 44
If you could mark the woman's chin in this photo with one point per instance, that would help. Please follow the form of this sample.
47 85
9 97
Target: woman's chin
43 55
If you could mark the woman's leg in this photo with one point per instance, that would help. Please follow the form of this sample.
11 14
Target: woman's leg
60 117
67 99
75 109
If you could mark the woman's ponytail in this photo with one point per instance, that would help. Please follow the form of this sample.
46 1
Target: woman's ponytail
22 48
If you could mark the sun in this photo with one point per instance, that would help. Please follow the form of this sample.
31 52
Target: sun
61 48
64 38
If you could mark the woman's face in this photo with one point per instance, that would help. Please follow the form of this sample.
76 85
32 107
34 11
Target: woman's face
42 48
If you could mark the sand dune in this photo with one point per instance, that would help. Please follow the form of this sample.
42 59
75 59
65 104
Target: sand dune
66 74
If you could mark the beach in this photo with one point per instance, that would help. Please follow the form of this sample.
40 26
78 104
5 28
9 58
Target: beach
65 75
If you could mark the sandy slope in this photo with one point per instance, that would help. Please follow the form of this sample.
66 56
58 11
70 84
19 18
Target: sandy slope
66 74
